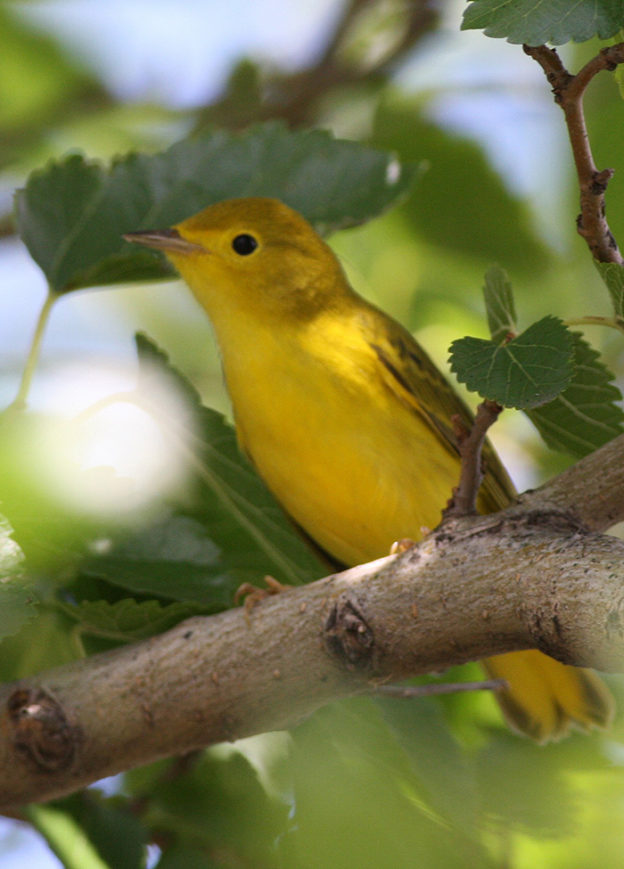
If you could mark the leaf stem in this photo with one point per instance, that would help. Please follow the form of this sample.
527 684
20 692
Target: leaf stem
612 322
20 400
127 396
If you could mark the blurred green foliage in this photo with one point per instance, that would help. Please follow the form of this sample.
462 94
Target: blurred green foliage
431 782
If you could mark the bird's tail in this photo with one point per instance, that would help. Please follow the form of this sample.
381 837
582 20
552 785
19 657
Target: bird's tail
545 698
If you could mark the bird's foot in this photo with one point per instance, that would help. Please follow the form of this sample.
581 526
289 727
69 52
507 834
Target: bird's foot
253 594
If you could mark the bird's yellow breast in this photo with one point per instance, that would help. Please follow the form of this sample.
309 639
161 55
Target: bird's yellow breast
354 467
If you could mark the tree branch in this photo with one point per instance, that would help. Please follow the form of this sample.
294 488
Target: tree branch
569 91
529 576
591 492
294 97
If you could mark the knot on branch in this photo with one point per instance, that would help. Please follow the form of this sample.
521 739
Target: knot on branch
600 181
41 731
347 635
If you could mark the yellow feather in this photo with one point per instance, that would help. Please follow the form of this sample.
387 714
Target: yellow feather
345 416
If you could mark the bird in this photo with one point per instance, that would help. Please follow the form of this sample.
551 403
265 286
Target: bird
345 417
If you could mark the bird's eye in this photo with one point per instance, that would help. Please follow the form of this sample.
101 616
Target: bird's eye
244 244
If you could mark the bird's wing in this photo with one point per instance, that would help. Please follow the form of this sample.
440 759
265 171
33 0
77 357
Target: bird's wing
407 370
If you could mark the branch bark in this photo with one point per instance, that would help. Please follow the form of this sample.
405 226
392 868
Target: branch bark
534 575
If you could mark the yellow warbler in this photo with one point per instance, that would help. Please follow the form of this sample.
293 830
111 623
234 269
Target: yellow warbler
344 415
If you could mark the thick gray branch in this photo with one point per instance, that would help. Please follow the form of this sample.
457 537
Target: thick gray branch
591 491
531 576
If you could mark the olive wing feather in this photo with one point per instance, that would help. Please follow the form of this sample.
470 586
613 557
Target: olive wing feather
407 370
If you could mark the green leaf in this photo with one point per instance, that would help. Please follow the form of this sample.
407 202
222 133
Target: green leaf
41 644
542 800
231 531
219 805
535 22
499 304
72 214
528 371
48 95
65 838
585 416
613 276
111 825
177 558
421 730
361 800
18 603
468 222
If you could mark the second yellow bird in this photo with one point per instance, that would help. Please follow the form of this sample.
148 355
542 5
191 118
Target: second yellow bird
344 415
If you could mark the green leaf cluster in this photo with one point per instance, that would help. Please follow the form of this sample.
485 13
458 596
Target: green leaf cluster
381 797
551 373
231 531
227 530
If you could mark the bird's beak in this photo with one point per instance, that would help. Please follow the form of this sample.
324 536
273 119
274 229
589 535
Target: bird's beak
168 240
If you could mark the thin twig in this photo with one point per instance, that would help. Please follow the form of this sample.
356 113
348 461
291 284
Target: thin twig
330 72
436 688
568 91
591 320
464 500
609 58
342 27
